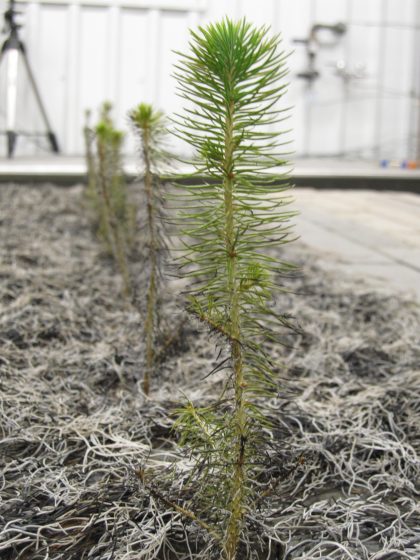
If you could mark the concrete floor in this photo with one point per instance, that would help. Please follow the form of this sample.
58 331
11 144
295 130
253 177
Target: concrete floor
369 234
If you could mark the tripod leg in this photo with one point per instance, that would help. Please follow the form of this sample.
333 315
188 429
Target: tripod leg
11 97
11 142
51 136
53 142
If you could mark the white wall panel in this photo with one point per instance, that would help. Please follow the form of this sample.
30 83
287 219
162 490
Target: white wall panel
132 72
328 108
364 51
414 143
326 11
113 53
174 35
400 11
93 66
398 55
293 21
359 126
366 11
51 62
260 12
395 129
86 51
217 9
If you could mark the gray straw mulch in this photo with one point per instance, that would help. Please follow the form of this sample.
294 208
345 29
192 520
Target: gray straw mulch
76 432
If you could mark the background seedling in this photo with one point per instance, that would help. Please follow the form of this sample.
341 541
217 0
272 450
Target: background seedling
89 138
107 192
149 126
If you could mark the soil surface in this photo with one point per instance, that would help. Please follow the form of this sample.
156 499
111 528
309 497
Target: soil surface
77 433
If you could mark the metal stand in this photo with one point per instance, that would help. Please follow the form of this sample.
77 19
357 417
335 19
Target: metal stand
13 49
313 42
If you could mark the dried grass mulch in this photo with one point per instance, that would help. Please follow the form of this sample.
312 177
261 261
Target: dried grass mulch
343 472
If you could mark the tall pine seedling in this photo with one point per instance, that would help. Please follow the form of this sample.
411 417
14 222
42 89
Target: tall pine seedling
232 80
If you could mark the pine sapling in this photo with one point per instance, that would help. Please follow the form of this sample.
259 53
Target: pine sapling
115 215
149 125
232 79
89 138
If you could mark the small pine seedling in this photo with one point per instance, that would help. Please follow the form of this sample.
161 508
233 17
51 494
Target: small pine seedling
107 194
232 80
149 126
89 138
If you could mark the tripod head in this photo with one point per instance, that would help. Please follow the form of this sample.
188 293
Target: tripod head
11 25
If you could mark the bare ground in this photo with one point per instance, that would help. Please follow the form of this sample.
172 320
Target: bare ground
77 432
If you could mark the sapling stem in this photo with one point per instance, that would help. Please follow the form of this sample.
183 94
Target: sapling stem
151 292
239 413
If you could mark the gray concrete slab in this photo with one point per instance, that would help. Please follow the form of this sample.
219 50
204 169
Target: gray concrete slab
370 235
385 276
338 247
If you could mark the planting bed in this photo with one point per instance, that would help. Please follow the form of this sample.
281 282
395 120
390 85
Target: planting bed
89 466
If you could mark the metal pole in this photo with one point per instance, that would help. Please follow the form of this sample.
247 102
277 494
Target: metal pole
11 98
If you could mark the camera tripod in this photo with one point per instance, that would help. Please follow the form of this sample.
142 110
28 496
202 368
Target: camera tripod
13 49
